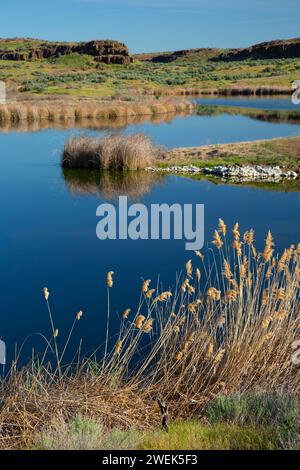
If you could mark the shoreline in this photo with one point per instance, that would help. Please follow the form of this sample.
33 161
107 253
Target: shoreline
283 151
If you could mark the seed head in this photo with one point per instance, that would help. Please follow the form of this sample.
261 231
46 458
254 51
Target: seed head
110 281
126 313
79 315
46 293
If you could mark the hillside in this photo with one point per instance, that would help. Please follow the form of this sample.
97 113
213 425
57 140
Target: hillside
105 70
284 49
106 51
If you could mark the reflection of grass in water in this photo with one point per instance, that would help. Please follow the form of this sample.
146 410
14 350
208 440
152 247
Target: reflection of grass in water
291 116
285 185
110 185
101 123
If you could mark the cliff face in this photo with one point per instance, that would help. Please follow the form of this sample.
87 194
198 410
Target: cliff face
266 50
109 52
161 57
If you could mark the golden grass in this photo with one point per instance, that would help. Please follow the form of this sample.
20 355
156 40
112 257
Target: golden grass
228 326
114 152
57 111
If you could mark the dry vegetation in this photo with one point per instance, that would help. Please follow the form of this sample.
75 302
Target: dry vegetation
114 152
282 151
75 111
228 326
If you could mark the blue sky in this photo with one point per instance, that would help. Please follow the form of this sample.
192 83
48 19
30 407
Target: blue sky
153 25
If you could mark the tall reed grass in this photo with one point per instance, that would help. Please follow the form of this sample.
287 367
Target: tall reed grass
228 326
54 111
113 152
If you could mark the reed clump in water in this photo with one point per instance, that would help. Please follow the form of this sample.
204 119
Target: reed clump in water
114 152
228 326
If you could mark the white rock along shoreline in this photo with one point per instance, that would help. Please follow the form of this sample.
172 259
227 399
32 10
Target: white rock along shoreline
236 172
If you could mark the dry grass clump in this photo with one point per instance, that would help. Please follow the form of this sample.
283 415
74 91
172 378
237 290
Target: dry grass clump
228 326
114 152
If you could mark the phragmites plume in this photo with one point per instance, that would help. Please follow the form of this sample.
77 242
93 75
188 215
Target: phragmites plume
213 294
217 240
237 246
268 250
126 313
200 255
189 268
226 270
46 293
236 232
148 325
79 315
118 346
146 285
55 333
110 281
250 236
139 321
230 295
163 297
222 227
184 285
149 294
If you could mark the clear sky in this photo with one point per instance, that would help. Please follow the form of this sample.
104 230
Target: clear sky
153 25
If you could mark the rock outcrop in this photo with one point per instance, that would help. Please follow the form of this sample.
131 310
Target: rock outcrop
266 50
163 57
282 49
108 51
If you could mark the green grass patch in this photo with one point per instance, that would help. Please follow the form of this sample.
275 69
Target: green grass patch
191 435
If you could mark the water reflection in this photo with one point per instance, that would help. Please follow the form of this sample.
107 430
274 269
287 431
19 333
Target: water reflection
110 185
102 124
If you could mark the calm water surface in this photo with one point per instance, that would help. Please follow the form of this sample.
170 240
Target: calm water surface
250 102
48 223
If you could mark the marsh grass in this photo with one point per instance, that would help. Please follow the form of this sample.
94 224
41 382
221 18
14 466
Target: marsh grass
70 110
113 152
227 327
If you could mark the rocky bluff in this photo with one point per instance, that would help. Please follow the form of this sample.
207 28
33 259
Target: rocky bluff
106 51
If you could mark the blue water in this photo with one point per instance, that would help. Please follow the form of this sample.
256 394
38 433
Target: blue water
250 102
203 130
48 228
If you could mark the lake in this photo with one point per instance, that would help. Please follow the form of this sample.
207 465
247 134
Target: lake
279 103
48 227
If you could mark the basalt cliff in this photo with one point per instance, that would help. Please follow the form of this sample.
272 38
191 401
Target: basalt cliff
106 51
281 49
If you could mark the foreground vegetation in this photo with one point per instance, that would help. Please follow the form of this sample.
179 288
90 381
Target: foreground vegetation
238 422
226 329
